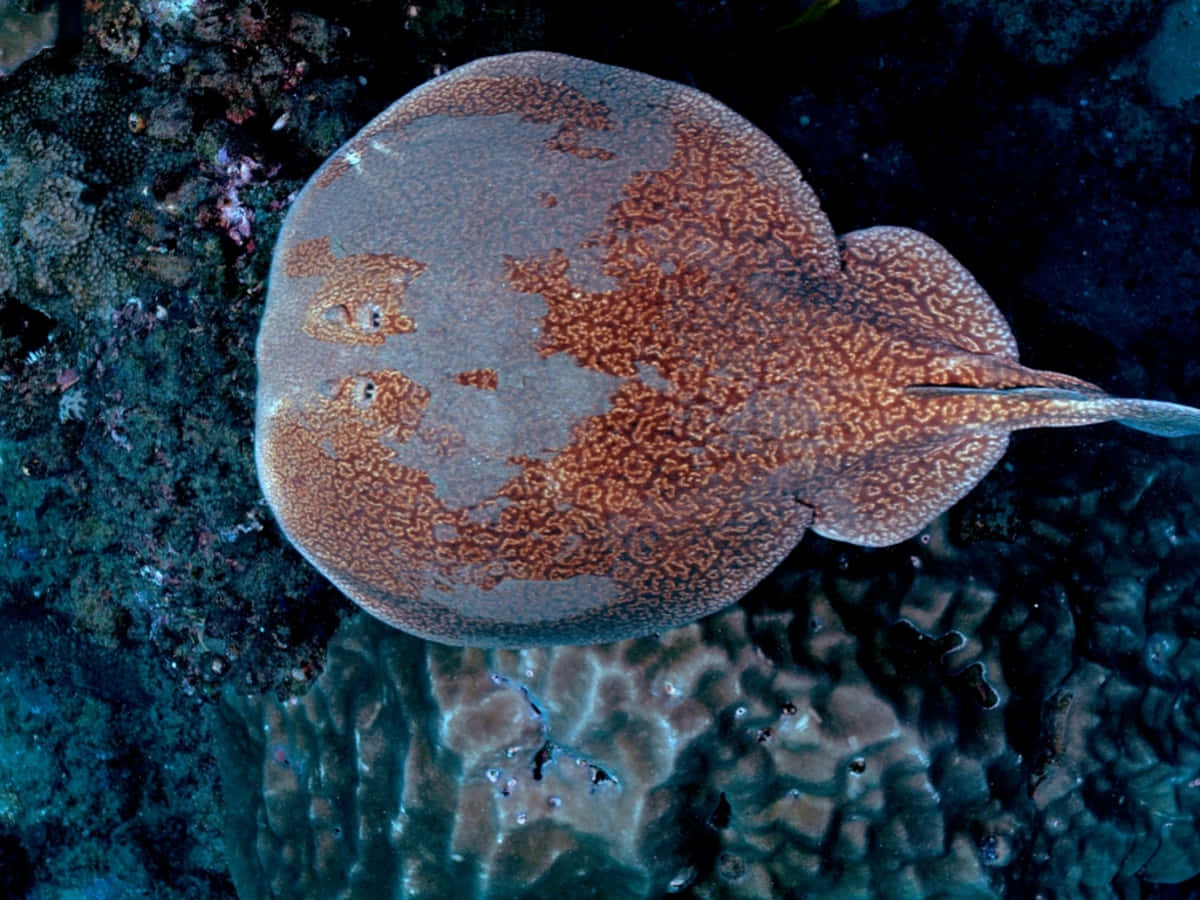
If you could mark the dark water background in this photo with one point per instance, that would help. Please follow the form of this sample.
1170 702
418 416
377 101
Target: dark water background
1036 651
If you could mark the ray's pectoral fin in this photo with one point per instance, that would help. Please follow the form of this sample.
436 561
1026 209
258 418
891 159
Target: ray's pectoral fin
889 495
911 282
942 410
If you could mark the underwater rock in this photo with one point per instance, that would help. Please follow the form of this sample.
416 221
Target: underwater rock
24 32
1172 72
1058 34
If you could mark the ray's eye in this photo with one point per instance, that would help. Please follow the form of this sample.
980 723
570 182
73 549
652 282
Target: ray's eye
372 318
363 392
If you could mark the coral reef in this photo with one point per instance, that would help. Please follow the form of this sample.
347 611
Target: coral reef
690 761
106 239
907 726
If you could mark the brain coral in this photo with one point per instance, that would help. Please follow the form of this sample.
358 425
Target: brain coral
885 725
422 771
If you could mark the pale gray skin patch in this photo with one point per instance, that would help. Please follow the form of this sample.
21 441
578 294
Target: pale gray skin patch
552 606
500 212
530 602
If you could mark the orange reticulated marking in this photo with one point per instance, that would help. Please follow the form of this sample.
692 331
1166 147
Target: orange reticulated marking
341 481
361 297
670 491
388 403
663 488
685 245
596 508
603 330
484 379
534 100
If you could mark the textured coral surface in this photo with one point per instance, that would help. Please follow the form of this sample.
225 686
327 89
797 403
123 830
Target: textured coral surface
1038 645
862 733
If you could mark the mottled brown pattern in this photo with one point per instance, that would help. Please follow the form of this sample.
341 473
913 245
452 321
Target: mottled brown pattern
665 399
385 401
484 379
531 98
342 478
655 494
361 298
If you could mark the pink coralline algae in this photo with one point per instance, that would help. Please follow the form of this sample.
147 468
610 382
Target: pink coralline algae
232 215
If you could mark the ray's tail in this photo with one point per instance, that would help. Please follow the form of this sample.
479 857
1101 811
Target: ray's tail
1042 407
1155 416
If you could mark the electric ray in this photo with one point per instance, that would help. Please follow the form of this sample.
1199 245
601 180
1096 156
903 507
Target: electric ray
559 352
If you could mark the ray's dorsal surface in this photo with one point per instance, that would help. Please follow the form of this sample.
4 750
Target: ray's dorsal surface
559 352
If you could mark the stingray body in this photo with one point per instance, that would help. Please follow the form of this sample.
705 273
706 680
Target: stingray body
560 352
